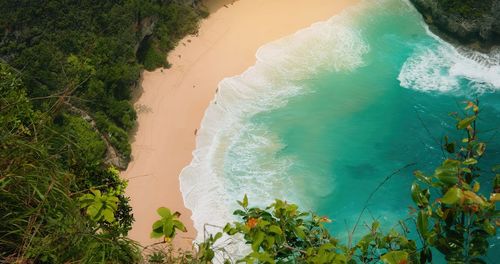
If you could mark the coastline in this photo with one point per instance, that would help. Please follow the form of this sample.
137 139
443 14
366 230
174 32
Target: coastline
173 101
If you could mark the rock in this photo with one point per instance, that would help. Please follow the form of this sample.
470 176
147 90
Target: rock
112 155
144 29
476 25
189 2
145 26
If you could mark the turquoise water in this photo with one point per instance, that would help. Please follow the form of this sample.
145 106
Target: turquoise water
353 129
327 114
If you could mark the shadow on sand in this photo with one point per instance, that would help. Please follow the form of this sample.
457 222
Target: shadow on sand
213 5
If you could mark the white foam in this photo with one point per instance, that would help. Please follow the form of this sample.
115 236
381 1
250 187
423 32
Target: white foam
428 70
254 167
442 67
332 45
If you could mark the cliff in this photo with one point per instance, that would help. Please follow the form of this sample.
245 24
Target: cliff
468 22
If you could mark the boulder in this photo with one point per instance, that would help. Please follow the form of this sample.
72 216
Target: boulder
475 24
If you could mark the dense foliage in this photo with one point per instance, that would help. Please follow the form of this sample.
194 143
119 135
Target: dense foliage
67 71
451 217
466 8
84 53
66 75
41 218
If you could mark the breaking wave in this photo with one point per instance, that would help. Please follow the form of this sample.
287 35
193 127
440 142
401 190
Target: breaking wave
281 68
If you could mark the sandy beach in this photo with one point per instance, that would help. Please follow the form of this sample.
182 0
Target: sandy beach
173 101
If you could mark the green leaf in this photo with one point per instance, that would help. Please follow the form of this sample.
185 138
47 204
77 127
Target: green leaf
420 197
452 196
481 147
245 201
421 177
164 212
375 226
448 171
270 240
415 191
464 123
489 228
168 229
93 210
470 161
227 227
179 225
112 205
476 187
275 229
339 258
96 193
451 163
86 200
156 234
239 212
112 199
259 237
108 215
158 226
422 223
395 257
326 246
450 147
232 231
300 233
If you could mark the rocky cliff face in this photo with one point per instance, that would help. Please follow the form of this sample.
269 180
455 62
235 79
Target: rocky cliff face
145 26
190 2
475 23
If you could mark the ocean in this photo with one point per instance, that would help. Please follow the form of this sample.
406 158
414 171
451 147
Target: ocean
326 114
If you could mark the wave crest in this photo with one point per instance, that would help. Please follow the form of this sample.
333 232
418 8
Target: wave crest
281 65
442 68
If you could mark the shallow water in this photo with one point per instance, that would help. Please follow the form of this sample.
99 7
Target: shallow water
328 113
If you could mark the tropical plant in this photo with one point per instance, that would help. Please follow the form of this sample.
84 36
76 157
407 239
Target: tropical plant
99 206
460 220
281 233
67 71
168 225
41 221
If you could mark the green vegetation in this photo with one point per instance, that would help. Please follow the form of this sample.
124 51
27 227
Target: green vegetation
67 71
466 8
451 217
66 75
174 22
64 204
83 54
42 219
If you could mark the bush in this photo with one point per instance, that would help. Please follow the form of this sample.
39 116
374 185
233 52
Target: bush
150 56
41 220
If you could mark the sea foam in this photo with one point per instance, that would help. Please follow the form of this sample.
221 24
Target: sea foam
332 45
442 67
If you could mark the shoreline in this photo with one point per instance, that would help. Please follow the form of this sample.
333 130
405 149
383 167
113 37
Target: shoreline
173 101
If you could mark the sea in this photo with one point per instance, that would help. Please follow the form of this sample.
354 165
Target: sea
337 117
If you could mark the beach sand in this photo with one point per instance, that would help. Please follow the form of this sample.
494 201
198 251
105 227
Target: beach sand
173 101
